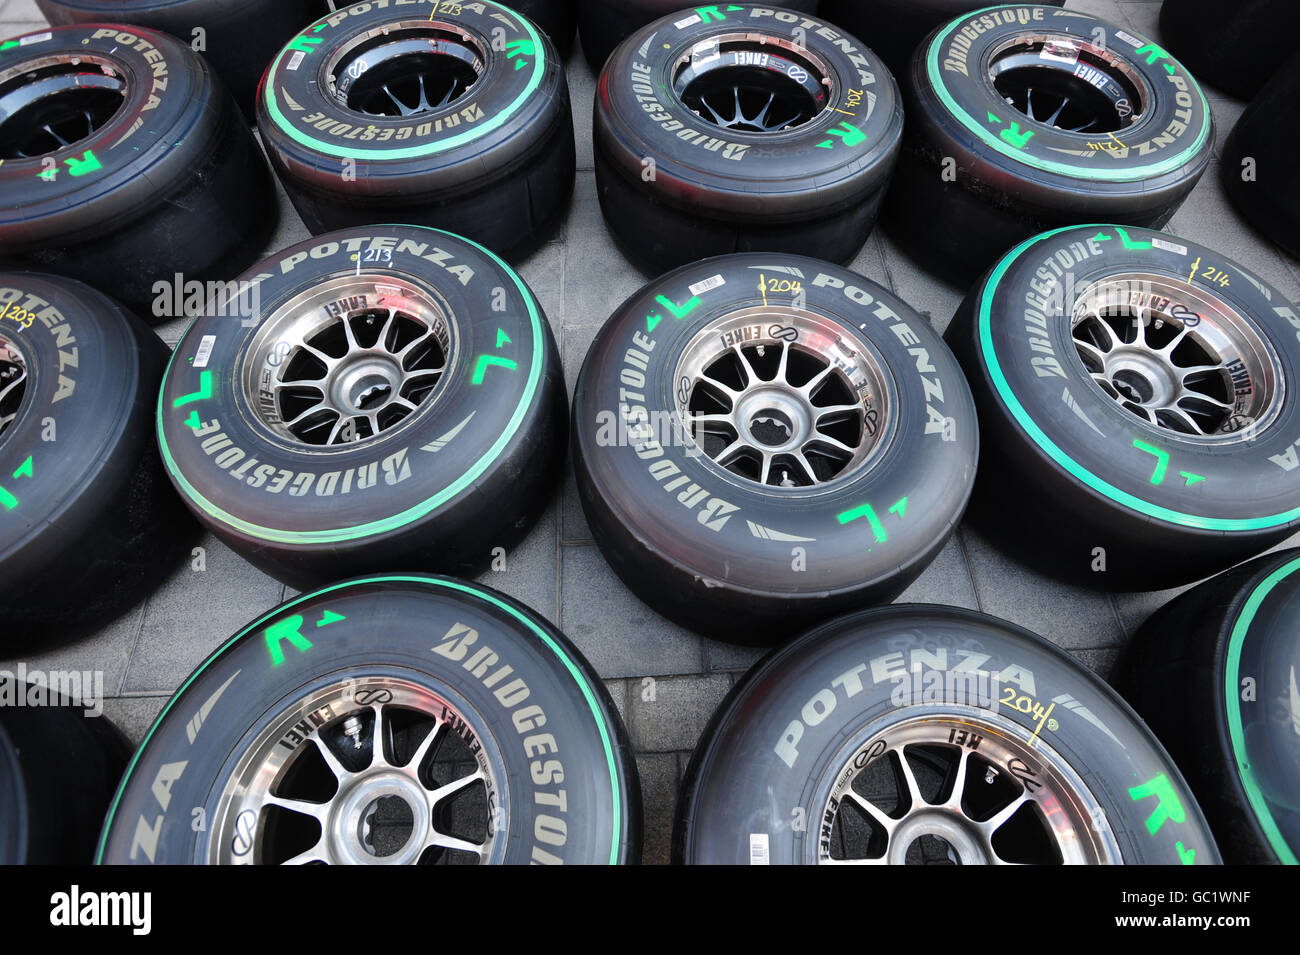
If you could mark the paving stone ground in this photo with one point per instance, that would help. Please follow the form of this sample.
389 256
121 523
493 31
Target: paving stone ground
666 681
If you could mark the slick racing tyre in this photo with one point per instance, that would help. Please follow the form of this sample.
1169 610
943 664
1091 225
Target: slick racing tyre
558 19
746 129
239 37
1236 47
396 402
1137 399
456 117
895 27
471 732
604 24
1215 674
1256 169
88 523
60 762
125 162
921 735
761 441
1027 117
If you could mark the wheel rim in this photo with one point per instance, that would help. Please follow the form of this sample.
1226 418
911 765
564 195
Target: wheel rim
782 399
13 382
405 69
749 82
957 789
1176 357
1060 81
349 361
427 794
56 103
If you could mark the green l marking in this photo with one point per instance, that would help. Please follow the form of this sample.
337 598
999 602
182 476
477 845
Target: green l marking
205 391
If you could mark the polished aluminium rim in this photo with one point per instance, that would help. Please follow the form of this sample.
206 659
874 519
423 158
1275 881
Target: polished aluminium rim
1177 357
13 382
1064 82
753 82
405 69
56 102
372 771
782 398
961 789
349 360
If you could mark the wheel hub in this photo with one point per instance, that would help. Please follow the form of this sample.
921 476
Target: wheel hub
782 397
405 69
354 817
56 102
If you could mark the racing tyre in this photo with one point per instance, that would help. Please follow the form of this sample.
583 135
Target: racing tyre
1137 399
473 732
1235 48
460 122
604 24
761 441
1215 675
88 523
922 735
60 762
895 27
1256 169
397 403
239 37
1024 118
125 162
746 129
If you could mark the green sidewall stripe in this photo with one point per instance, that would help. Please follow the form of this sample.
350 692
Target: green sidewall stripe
410 514
1174 161
406 152
1232 675
577 674
1036 434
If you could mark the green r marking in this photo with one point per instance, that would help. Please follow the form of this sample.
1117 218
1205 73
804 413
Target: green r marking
651 320
1102 237
502 338
865 510
305 44
709 14
204 392
7 45
1191 478
290 628
521 49
24 469
8 500
1167 803
849 135
1154 53
329 617
193 422
1188 856
1130 243
899 508
487 361
1162 460
678 311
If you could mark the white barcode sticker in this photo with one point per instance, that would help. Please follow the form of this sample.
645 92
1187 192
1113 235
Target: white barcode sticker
683 24
758 848
205 351
1173 247
295 61
34 38
708 285
1128 38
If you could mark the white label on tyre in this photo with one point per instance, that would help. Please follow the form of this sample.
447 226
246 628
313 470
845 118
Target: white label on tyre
758 848
205 351
683 24
1128 38
34 38
1173 247
296 60
708 285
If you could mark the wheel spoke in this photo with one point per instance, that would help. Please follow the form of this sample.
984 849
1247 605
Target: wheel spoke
451 842
317 810
379 739
450 789
430 740
997 821
958 782
885 821
909 778
340 771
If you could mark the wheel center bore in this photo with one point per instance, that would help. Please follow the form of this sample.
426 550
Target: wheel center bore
918 836
382 817
406 69
771 428
1071 85
368 385
57 105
